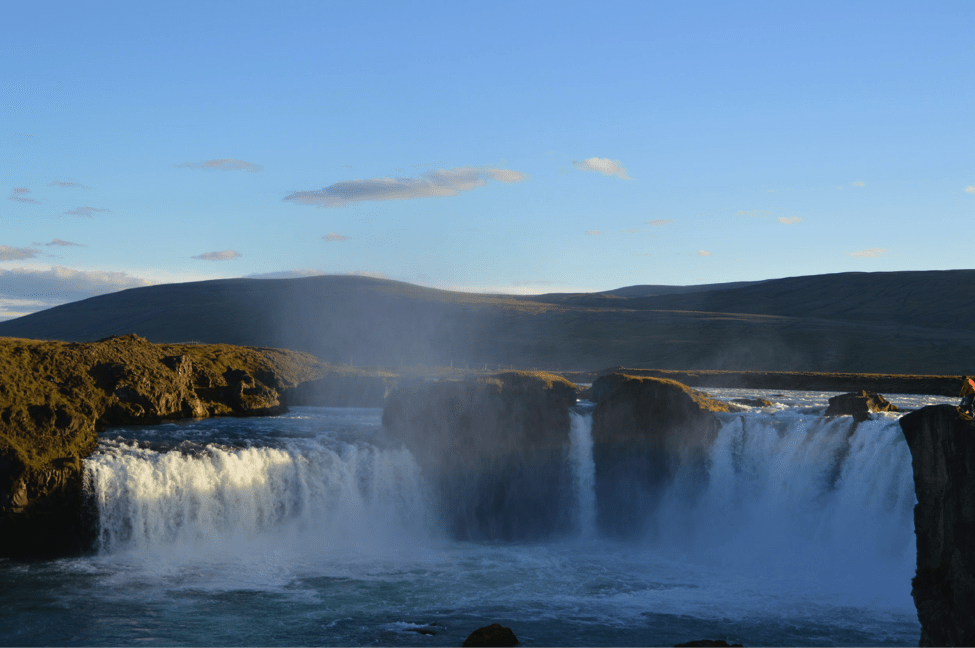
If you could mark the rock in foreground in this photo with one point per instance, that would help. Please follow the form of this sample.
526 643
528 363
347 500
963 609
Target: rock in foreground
55 396
492 635
942 443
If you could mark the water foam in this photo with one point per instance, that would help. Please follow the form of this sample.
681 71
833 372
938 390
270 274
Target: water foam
331 494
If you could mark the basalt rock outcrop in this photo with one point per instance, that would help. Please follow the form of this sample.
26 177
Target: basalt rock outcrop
493 450
942 443
55 397
646 433
859 405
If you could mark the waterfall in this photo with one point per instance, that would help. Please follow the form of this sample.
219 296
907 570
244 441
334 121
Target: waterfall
337 494
793 493
583 470
783 492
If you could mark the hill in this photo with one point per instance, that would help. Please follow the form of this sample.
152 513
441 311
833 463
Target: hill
900 322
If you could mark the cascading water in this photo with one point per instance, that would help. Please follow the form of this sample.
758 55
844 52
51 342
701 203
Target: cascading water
583 469
314 528
341 493
802 497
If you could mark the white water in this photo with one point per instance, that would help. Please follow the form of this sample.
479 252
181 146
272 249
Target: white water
311 529
583 472
789 494
345 495
794 496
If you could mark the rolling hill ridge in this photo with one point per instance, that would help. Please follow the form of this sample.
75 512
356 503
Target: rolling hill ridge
897 322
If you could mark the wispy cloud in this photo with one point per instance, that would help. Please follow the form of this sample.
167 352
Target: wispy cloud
657 222
970 189
226 164
859 183
84 211
703 253
753 213
602 165
444 182
871 253
223 255
789 220
332 236
67 184
61 243
593 233
26 290
8 253
19 197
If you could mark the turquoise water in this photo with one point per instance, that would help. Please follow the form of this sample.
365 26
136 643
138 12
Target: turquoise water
314 529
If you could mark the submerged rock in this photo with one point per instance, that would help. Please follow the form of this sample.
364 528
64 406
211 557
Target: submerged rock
55 396
492 635
494 449
942 443
859 405
646 432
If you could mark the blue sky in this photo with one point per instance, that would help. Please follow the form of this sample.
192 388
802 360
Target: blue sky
499 147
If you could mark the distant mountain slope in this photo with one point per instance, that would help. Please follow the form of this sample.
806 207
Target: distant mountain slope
938 299
607 297
911 322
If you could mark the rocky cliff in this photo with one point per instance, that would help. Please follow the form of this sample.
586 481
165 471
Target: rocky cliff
645 431
942 443
55 396
492 448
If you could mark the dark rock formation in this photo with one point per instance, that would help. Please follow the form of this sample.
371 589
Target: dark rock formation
54 397
493 448
942 443
492 635
708 643
647 431
859 405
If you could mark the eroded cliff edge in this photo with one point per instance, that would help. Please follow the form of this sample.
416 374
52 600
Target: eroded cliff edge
493 450
56 396
942 443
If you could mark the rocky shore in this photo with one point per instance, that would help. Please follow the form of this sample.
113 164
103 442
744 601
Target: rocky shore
56 396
